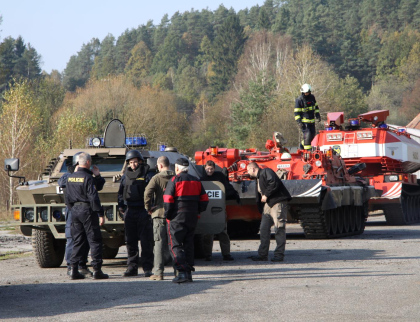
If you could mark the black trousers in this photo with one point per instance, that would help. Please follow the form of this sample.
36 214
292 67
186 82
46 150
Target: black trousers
85 226
138 226
181 239
308 131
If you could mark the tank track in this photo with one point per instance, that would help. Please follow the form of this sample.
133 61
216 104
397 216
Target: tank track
406 212
335 223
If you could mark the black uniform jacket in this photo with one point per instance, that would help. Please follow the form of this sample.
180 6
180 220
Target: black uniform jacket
271 187
185 193
81 188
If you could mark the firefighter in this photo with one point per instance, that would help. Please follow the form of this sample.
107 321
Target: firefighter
184 199
137 222
306 110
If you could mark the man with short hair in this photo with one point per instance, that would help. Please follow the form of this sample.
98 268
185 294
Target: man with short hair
224 241
84 204
137 222
271 200
153 201
184 199
62 182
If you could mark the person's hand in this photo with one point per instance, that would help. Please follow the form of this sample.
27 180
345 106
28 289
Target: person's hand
300 124
101 221
263 198
96 171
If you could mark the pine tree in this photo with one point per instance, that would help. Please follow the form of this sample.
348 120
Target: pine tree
227 48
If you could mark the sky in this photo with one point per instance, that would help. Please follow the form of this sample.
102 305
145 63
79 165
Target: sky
58 29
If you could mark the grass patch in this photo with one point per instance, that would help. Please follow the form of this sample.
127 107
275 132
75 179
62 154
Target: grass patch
14 254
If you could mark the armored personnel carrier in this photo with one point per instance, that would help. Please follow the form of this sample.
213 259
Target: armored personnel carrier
41 208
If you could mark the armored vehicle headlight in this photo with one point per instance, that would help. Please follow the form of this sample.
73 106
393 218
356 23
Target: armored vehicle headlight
44 215
29 214
58 215
109 214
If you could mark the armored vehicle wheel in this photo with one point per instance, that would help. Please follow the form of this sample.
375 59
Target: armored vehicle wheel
109 252
49 252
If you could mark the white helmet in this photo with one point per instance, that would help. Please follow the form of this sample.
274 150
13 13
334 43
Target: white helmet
306 88
285 156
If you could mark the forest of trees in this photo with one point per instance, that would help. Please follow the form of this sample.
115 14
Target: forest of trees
220 77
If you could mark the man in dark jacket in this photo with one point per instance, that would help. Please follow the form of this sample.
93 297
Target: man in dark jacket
273 194
137 222
153 201
224 240
84 204
62 182
184 199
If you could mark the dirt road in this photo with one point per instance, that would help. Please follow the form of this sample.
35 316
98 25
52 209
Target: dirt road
371 277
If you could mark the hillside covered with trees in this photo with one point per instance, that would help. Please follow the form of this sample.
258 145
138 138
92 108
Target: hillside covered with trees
220 77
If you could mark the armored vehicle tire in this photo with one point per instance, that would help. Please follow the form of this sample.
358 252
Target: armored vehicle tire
109 252
49 252
334 223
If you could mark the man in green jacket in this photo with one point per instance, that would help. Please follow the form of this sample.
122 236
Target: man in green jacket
153 201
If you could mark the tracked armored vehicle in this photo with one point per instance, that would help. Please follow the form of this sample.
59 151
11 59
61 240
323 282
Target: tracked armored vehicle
41 208
391 157
328 200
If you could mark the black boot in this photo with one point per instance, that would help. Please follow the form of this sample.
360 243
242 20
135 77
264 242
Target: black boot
181 277
75 275
189 276
131 272
99 275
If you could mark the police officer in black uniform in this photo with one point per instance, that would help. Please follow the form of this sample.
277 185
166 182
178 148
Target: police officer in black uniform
62 182
137 221
87 216
306 109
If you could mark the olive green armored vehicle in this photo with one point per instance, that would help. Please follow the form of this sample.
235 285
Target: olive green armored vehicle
41 208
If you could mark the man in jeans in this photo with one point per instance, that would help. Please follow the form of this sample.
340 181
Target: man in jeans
153 202
271 198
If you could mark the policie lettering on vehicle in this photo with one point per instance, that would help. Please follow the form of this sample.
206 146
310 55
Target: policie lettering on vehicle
306 110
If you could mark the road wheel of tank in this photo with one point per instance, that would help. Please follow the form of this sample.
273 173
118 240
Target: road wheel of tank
361 219
346 219
49 251
327 216
334 222
340 220
352 218
109 252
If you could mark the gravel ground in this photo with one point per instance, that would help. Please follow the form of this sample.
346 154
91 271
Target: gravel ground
371 277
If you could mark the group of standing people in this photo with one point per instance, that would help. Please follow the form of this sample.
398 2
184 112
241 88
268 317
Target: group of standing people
163 209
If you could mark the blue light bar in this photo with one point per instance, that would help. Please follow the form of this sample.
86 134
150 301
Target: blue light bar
136 141
162 147
401 130
329 128
354 122
383 126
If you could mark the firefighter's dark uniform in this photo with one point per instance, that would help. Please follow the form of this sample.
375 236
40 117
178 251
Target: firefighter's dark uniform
137 222
184 199
306 109
84 204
